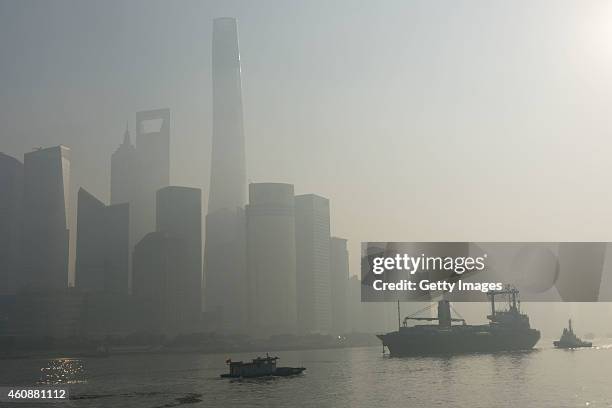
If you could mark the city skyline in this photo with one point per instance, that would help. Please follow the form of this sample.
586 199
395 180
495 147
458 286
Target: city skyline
266 268
305 71
308 203
361 164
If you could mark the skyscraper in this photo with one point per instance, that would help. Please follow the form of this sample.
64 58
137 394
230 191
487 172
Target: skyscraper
124 163
225 251
312 244
225 271
152 167
339 267
45 229
355 306
102 252
137 172
123 166
228 168
179 214
271 259
90 273
102 265
156 257
11 193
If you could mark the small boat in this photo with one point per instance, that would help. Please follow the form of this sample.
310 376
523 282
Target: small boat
570 340
259 367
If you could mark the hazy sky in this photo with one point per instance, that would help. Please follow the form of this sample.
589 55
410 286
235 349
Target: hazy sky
420 120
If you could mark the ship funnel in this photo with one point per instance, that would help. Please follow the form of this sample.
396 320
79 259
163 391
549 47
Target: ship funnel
444 314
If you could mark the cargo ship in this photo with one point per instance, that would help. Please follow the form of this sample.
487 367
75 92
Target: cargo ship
570 340
507 330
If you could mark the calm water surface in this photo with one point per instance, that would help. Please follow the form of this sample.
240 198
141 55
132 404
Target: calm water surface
359 377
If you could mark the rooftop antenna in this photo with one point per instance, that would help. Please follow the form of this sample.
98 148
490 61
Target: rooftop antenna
126 135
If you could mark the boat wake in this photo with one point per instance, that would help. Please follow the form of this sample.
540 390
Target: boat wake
191 398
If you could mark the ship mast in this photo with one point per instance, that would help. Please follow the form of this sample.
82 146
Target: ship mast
399 323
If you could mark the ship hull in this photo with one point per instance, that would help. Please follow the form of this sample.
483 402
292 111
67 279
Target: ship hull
416 342
278 372
563 345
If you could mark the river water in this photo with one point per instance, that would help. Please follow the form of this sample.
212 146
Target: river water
359 377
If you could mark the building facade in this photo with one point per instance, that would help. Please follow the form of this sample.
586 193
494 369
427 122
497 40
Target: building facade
156 257
225 244
102 249
45 244
271 259
339 268
11 219
179 214
152 167
123 169
312 240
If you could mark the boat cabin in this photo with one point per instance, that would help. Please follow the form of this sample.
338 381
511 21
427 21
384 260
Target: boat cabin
259 366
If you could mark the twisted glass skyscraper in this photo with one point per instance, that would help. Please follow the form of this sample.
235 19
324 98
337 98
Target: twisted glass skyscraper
225 248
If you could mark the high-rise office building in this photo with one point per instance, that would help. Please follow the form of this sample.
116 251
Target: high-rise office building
167 269
156 258
355 306
123 167
45 241
225 293
138 171
225 250
339 268
228 168
124 163
11 193
152 167
179 214
271 259
102 251
312 243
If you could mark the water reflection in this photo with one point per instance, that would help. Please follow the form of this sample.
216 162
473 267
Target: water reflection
63 371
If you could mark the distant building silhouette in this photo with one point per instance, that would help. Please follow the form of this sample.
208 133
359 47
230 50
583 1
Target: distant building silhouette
225 252
271 259
102 250
156 258
339 267
179 214
138 171
167 277
153 167
228 169
312 242
368 317
11 201
45 235
225 271
123 167
48 312
355 306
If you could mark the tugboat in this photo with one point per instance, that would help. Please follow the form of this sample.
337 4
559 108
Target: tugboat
570 340
259 367
507 330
